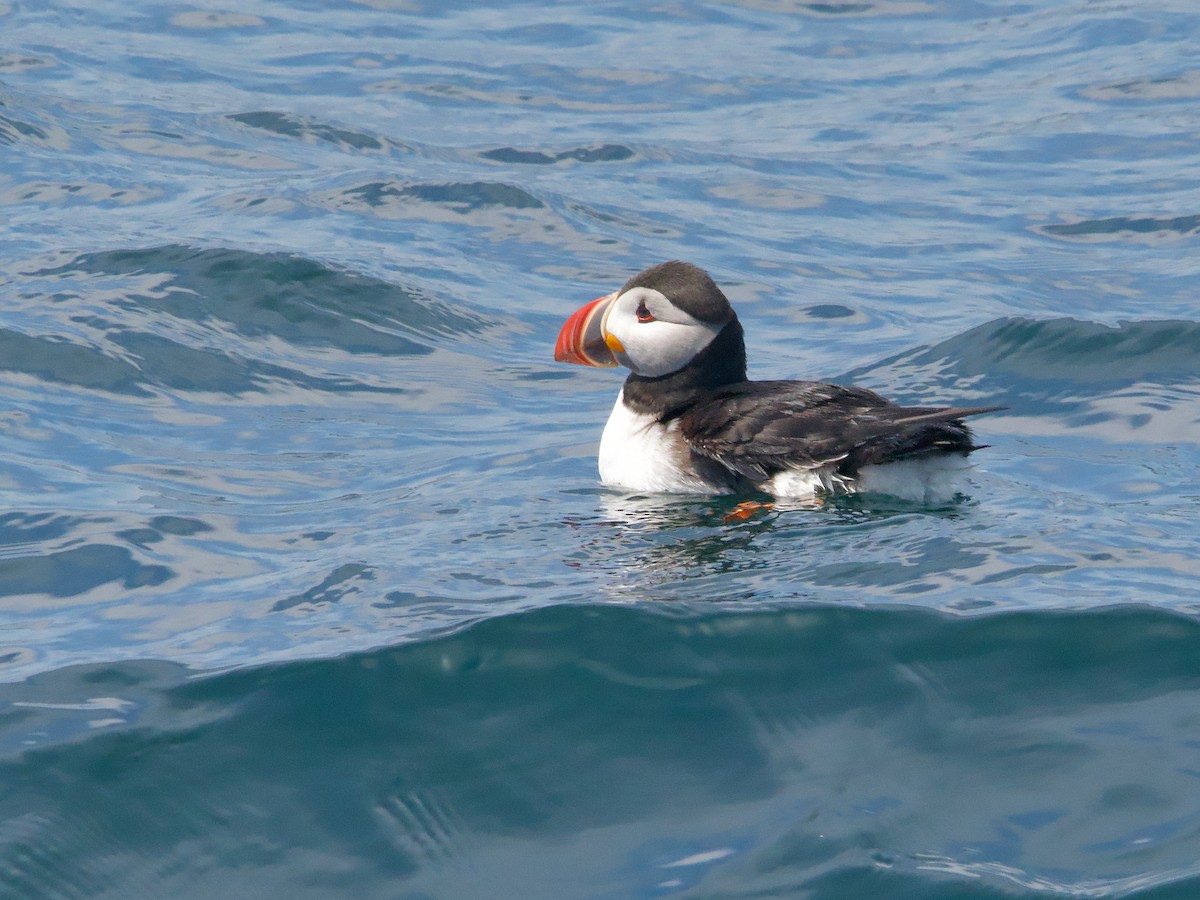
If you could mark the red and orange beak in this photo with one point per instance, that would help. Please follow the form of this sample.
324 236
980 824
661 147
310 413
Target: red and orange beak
583 340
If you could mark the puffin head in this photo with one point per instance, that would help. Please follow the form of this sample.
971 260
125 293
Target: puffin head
657 324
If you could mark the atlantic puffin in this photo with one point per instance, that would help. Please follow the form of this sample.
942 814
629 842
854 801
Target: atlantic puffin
688 421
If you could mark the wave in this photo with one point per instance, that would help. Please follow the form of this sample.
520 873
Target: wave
818 751
1135 382
218 320
1071 352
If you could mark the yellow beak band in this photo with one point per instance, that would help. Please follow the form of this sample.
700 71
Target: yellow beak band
613 344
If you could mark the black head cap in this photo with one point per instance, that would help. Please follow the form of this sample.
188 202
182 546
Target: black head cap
688 287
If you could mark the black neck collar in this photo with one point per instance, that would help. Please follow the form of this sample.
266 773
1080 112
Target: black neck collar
721 363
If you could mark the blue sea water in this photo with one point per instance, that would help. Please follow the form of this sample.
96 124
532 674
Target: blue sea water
308 588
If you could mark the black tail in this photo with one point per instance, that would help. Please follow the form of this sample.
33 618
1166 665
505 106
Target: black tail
916 432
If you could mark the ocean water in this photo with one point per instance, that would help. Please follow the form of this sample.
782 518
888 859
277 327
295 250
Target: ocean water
308 588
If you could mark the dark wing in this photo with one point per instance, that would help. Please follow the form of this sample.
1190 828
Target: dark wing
759 428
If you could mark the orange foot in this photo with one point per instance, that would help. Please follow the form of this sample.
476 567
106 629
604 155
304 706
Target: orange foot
746 509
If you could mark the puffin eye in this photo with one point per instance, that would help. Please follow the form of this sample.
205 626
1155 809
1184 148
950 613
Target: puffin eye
643 314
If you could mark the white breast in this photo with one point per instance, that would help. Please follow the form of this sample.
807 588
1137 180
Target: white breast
639 454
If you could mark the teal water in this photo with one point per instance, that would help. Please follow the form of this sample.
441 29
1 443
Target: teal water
307 585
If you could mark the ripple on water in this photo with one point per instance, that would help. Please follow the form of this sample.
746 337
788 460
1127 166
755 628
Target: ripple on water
307 129
1124 228
605 153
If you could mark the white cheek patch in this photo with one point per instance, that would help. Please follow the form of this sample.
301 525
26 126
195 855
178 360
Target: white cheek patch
661 346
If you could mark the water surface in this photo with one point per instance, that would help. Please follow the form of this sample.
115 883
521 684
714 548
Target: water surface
307 585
